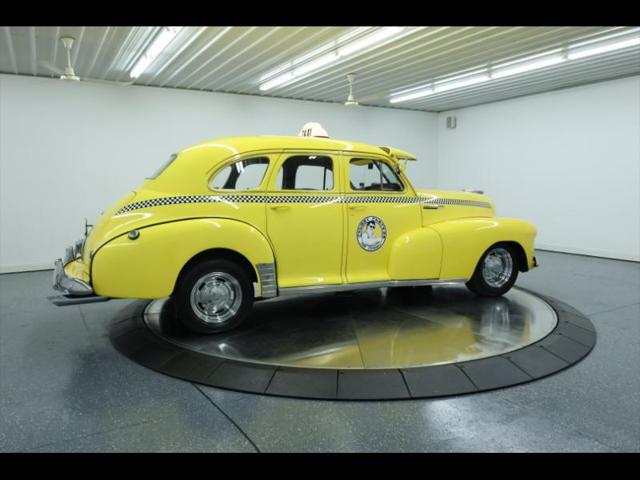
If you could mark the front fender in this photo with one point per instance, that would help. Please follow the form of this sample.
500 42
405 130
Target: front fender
148 266
416 254
465 240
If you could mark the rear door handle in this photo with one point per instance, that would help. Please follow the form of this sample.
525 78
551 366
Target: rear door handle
279 207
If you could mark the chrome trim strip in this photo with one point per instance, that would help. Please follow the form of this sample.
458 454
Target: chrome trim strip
78 248
364 285
267 274
72 287
382 197
62 301
455 201
68 256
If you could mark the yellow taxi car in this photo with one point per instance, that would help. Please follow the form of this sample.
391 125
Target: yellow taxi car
229 221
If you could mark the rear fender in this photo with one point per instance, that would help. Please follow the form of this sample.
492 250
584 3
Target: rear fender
148 266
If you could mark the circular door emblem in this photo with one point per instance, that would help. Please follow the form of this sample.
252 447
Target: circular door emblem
371 233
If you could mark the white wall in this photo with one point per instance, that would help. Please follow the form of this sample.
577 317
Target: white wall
68 150
567 160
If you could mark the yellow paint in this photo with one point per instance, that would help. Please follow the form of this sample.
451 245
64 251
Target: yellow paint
307 238
149 266
311 243
77 269
465 240
415 255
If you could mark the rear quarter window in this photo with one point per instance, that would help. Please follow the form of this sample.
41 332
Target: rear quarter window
241 175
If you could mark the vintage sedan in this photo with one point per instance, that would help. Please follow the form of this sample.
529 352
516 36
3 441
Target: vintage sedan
229 221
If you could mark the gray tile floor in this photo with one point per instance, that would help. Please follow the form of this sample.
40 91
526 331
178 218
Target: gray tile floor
64 388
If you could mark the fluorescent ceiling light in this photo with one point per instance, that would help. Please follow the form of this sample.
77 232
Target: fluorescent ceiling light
315 64
499 72
439 87
336 52
411 96
314 53
277 81
587 52
617 41
617 35
446 86
166 35
369 40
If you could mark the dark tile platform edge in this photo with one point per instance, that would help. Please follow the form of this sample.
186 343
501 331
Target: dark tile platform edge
572 340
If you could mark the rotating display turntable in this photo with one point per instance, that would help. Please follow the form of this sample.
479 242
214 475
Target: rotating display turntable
374 344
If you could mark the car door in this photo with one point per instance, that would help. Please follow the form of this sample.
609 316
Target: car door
305 219
380 209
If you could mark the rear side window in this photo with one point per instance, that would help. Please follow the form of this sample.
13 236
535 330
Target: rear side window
306 172
242 175
373 175
163 167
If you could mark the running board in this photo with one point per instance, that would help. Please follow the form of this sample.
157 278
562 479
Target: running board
363 285
62 301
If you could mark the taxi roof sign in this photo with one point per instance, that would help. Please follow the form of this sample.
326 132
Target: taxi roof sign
313 129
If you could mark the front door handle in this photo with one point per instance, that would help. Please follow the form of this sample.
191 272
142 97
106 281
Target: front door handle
279 207
357 207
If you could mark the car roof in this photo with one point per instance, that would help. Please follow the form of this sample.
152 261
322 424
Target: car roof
268 142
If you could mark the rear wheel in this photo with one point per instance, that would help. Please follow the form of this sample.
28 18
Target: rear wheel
495 273
213 296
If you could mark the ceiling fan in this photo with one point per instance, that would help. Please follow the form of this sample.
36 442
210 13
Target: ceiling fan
69 74
352 102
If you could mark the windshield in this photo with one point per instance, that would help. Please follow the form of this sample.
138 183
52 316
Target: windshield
163 167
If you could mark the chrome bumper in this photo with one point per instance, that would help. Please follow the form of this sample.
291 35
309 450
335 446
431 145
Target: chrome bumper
71 287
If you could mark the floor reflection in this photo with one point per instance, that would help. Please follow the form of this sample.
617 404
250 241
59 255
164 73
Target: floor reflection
400 327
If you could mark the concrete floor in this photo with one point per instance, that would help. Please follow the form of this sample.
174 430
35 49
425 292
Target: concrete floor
64 388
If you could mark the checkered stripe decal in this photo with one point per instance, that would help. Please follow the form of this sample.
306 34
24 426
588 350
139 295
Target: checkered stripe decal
294 199
455 201
379 199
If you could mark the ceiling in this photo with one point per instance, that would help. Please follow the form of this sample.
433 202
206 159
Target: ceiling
225 59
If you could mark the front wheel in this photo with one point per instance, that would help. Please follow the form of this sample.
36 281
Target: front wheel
213 296
495 273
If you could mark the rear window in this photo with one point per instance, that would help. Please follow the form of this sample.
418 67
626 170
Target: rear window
163 167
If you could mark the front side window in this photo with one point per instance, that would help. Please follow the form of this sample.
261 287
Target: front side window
306 172
373 175
242 175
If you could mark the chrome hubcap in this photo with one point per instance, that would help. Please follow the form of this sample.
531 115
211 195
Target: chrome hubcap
497 267
216 297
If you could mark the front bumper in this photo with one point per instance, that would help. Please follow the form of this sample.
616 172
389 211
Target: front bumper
70 287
